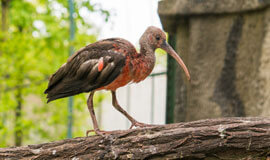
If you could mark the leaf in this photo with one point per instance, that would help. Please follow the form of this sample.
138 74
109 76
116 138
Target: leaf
29 54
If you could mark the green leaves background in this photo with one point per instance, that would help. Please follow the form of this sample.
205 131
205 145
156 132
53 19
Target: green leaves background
32 48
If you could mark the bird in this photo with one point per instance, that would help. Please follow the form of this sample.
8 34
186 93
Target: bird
109 64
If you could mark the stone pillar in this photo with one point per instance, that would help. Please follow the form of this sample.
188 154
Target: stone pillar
226 46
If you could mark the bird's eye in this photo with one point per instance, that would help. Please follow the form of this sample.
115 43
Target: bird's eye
158 38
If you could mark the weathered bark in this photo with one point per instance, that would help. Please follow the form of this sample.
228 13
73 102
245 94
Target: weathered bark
225 138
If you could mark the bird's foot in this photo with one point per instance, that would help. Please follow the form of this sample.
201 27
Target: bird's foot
139 124
98 132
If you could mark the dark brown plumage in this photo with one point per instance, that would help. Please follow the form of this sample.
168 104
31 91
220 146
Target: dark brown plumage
109 64
80 73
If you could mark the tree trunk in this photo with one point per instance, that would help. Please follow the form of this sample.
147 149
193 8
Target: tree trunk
4 11
225 45
18 118
225 138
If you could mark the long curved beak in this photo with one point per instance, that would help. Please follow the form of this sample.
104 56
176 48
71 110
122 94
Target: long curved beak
165 46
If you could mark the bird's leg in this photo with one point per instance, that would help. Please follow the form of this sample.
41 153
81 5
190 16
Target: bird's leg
120 109
93 116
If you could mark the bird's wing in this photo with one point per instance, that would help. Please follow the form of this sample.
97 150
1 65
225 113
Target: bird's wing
92 67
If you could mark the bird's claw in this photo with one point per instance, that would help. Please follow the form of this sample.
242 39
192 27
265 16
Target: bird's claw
139 124
98 132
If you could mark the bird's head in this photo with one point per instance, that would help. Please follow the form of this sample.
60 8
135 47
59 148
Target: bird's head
156 38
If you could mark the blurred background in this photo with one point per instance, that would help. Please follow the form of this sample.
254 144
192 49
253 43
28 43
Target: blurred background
225 45
37 37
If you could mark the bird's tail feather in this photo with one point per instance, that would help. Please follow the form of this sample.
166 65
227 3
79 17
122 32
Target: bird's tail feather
58 96
64 90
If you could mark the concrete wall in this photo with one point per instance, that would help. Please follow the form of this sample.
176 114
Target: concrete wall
226 46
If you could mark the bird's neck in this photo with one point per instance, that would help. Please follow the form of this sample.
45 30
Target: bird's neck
147 54
145 63
146 48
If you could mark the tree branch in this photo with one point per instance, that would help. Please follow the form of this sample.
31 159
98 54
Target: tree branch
225 138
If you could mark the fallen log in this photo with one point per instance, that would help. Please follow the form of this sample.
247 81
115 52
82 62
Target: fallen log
224 138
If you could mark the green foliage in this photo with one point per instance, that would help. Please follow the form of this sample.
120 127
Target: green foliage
34 47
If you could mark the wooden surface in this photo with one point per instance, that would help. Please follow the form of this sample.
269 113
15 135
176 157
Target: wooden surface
226 138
